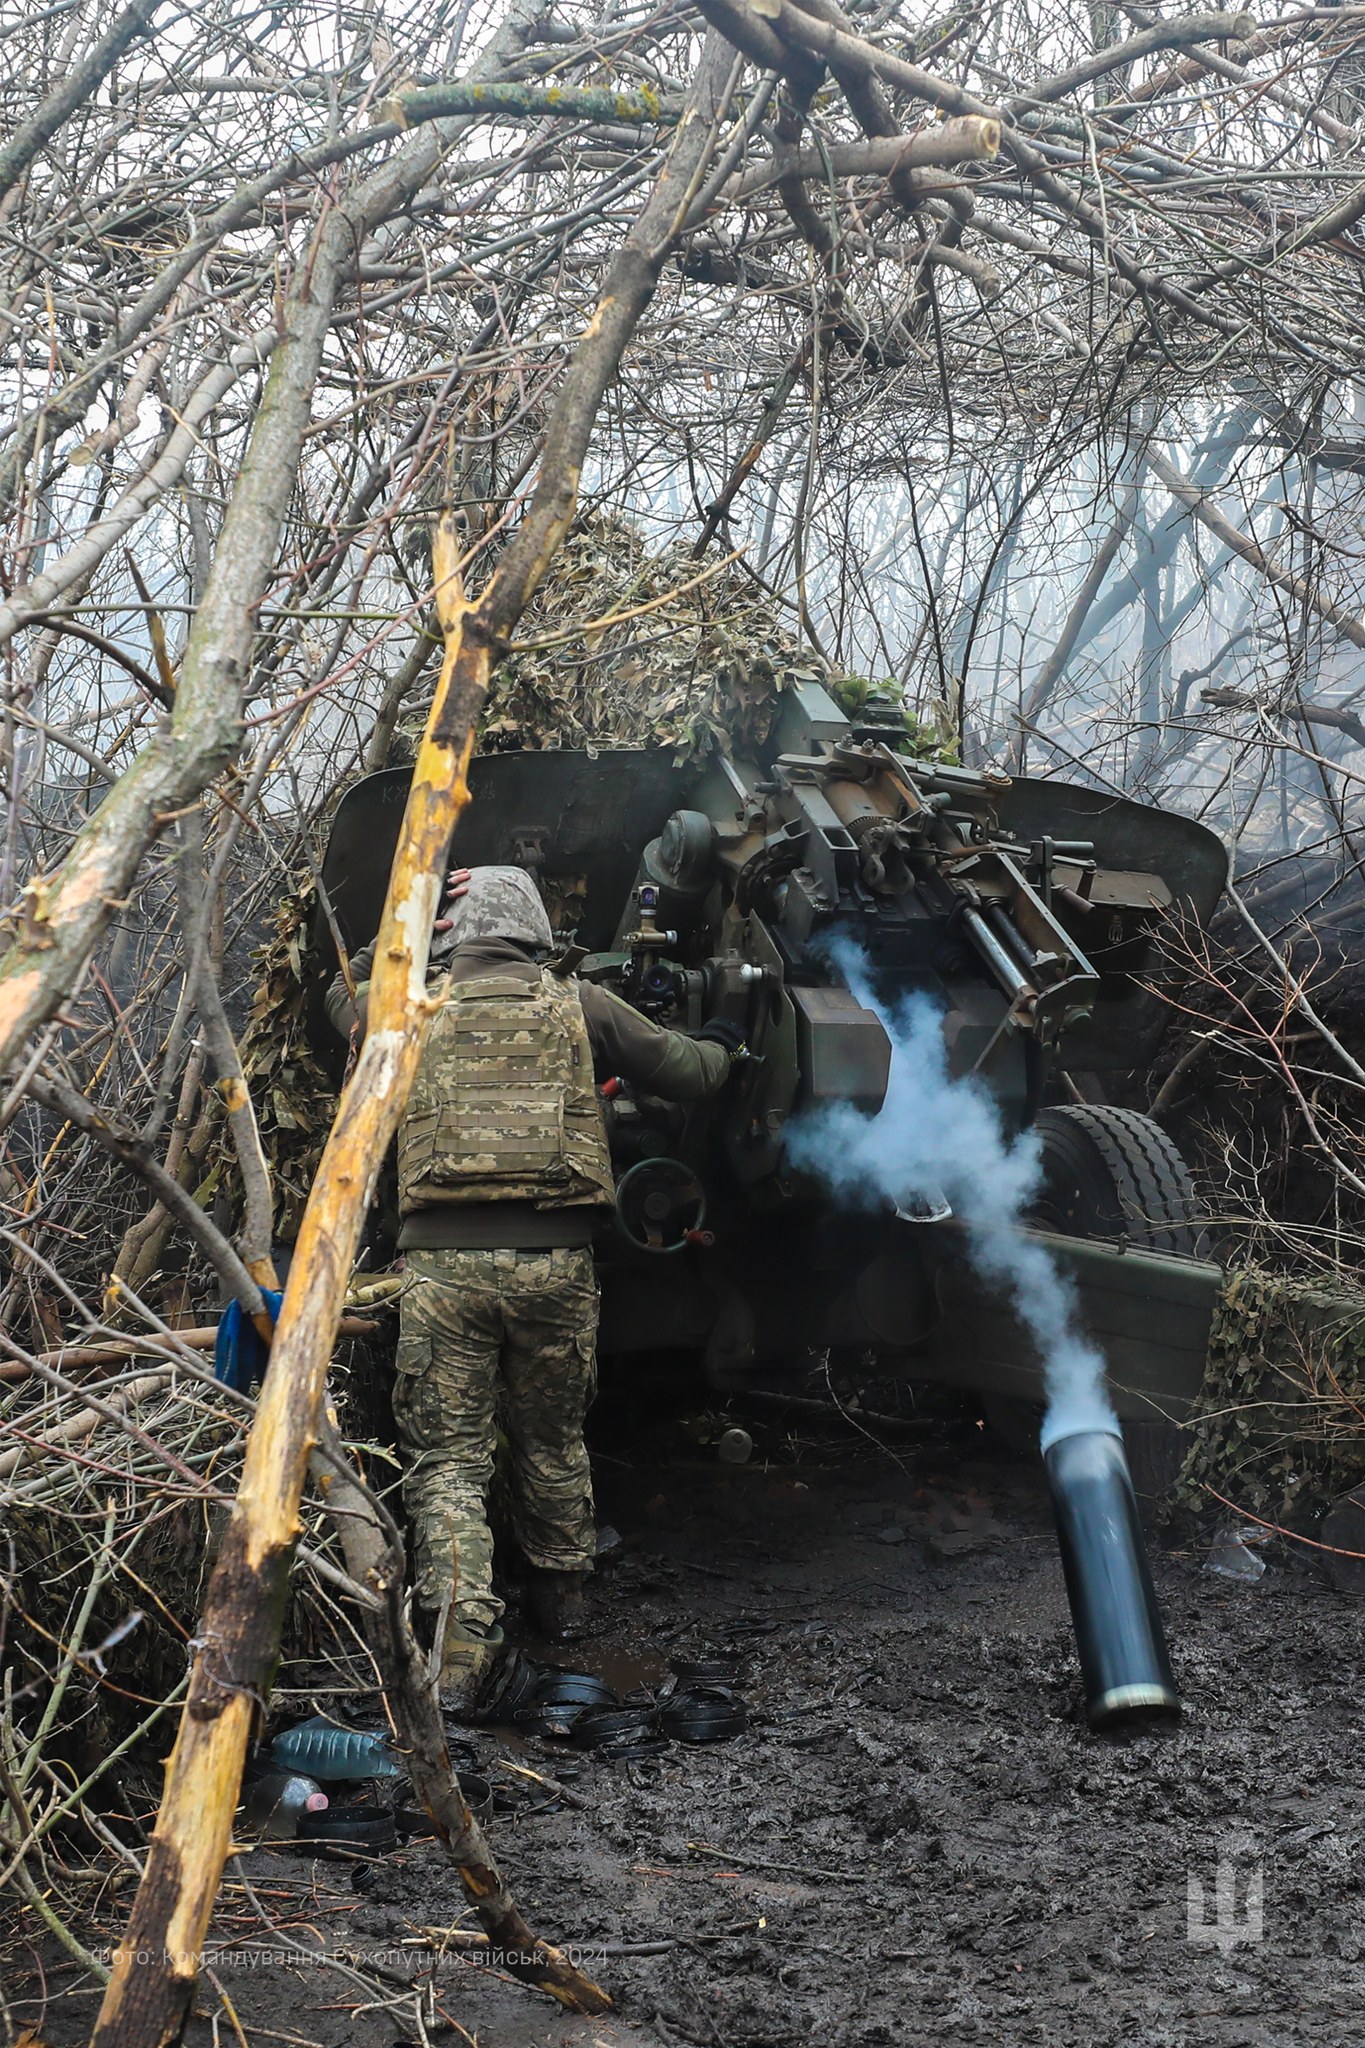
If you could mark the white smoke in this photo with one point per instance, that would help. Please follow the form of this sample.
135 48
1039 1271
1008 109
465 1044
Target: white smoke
932 1135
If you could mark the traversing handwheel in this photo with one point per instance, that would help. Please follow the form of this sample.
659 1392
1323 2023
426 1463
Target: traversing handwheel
661 1206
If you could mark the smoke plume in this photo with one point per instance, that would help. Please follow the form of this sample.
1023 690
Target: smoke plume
935 1136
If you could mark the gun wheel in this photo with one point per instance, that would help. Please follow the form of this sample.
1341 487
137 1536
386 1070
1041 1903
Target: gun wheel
1112 1174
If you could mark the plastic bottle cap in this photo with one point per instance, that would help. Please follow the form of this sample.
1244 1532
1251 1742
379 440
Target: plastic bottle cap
735 1447
317 1802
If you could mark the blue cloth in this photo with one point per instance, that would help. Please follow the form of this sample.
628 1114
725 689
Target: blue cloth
239 1350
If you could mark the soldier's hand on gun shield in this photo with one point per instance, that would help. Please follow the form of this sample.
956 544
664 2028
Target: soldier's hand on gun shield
720 1031
457 885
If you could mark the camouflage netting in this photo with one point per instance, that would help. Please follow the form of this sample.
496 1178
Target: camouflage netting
294 1099
703 667
1280 1428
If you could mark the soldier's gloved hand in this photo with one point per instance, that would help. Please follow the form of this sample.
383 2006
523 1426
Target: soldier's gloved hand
720 1031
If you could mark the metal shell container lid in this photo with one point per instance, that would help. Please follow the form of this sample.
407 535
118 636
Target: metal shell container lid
708 1667
371 1830
555 1719
574 1688
511 1686
602 1727
704 1713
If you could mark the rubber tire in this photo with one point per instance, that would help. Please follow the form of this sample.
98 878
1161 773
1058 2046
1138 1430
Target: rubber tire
1112 1173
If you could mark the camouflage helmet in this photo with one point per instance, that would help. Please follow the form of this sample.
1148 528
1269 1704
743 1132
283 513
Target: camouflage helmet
500 903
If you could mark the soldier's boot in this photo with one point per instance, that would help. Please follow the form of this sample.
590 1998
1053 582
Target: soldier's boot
467 1656
557 1604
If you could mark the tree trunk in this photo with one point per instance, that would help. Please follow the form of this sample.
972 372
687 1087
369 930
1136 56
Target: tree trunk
1053 669
1200 505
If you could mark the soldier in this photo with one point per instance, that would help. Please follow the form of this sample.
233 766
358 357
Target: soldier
502 1170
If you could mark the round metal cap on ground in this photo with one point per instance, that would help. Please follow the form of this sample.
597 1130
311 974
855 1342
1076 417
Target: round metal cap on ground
603 1725
708 1667
556 1719
704 1713
372 1829
478 1793
511 1685
573 1689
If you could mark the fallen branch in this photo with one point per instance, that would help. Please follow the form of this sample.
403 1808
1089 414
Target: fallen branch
969 139
86 1421
1175 32
533 103
201 1338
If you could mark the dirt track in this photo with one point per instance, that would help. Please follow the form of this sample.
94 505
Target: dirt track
917 1841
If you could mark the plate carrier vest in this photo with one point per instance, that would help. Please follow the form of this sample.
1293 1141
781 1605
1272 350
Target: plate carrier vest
503 1106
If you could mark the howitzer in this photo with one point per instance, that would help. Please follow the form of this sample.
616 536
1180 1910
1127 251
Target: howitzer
1036 914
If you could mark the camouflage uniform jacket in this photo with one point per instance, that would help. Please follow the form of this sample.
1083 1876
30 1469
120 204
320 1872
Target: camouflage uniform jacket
622 1042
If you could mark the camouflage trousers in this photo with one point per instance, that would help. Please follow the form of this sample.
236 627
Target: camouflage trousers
488 1337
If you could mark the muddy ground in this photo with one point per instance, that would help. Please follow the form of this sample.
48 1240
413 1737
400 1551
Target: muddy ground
917 1841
